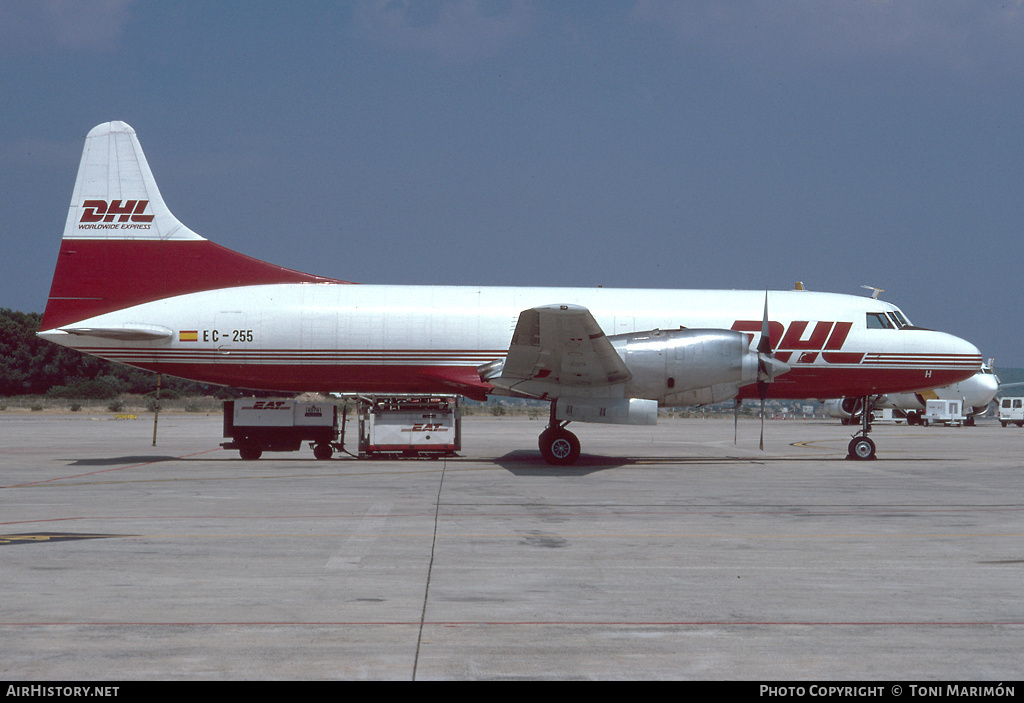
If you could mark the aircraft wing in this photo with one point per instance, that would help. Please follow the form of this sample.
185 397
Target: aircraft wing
558 350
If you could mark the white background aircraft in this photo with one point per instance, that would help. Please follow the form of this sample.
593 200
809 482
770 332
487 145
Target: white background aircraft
133 284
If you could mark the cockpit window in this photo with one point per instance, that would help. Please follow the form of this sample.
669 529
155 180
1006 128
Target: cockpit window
901 319
900 324
879 321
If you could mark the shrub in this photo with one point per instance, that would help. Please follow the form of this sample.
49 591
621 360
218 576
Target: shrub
83 389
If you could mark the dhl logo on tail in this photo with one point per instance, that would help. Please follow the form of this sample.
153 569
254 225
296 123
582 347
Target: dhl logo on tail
101 211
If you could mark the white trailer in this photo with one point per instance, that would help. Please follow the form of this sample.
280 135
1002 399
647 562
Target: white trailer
409 426
1011 411
883 415
943 412
256 425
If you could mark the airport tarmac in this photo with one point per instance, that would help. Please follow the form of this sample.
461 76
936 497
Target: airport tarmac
668 552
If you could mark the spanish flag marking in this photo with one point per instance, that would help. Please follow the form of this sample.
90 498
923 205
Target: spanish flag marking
188 336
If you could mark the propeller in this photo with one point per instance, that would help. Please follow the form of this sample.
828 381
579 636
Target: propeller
736 419
768 367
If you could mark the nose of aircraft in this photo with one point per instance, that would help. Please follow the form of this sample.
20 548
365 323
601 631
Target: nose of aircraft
952 358
965 348
980 390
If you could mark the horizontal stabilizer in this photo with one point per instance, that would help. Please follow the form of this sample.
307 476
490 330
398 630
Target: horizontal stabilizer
132 334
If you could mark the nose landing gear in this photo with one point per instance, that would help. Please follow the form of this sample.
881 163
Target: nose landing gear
861 447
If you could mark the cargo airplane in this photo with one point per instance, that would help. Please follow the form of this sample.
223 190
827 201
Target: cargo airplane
134 285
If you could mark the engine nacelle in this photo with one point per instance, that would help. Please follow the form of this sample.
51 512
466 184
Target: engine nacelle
846 409
851 407
621 411
688 367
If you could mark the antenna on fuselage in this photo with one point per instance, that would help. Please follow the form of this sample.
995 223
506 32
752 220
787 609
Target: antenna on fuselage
875 292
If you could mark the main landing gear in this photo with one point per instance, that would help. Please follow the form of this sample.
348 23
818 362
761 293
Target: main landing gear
861 447
558 445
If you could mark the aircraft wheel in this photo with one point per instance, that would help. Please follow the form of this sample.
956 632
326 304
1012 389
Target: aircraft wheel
861 448
250 452
323 451
559 447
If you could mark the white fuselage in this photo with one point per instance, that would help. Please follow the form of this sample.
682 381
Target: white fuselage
381 338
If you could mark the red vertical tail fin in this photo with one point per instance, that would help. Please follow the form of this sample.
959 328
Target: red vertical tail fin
122 246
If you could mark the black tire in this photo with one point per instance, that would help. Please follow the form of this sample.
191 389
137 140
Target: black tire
323 451
559 447
250 452
861 448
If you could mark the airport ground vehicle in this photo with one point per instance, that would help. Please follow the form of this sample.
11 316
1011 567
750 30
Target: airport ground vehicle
257 425
1011 411
410 426
943 412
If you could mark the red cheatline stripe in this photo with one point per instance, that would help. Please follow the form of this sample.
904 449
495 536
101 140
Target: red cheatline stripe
445 357
536 623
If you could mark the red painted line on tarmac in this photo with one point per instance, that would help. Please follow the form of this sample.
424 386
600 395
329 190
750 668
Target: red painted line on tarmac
103 471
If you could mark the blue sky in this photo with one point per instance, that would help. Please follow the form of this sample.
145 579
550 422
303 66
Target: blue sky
549 142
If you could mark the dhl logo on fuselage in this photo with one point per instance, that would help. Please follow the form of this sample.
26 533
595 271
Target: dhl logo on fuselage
826 337
129 214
